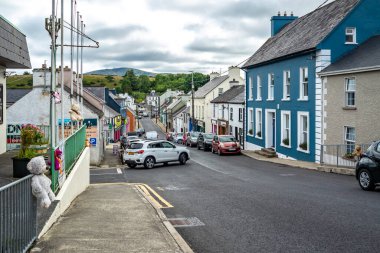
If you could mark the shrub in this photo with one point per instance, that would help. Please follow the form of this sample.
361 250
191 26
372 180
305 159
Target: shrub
285 141
303 145
258 134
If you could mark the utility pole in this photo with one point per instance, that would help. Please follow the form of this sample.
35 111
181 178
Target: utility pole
77 74
62 78
192 100
81 66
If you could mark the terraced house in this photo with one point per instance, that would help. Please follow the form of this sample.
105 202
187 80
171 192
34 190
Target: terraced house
283 89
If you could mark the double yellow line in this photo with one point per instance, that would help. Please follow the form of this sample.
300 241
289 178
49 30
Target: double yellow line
154 197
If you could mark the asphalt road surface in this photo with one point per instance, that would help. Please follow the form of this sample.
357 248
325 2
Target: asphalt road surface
238 204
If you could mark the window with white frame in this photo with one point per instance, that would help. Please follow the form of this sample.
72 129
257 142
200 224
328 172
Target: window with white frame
270 86
285 128
286 90
303 131
259 88
241 114
231 113
349 139
213 110
220 91
250 92
350 89
222 109
351 35
304 83
231 130
250 122
259 123
203 112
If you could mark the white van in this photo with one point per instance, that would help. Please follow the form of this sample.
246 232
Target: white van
151 135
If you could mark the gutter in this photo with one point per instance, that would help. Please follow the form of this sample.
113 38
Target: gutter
349 71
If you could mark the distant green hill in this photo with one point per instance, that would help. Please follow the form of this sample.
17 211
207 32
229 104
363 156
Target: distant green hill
120 72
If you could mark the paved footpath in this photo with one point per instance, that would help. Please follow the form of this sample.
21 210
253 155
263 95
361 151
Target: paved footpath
109 218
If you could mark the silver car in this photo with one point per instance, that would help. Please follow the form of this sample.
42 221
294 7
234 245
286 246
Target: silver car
149 153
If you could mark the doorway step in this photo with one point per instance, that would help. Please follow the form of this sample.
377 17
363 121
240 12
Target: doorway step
267 152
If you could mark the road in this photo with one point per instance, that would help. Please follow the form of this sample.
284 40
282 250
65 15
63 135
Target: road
238 204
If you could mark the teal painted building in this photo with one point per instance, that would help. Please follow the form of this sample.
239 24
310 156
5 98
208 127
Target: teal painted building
284 93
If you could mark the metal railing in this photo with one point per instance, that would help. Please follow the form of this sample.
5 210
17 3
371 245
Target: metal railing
73 147
18 216
340 155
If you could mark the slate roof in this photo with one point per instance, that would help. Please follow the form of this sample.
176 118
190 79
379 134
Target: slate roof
235 95
304 33
97 91
14 51
14 95
367 55
181 110
208 87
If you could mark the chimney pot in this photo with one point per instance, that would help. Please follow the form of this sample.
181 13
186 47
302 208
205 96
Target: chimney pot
285 14
279 13
291 14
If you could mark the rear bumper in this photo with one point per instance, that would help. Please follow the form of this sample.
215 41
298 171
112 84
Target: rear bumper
132 159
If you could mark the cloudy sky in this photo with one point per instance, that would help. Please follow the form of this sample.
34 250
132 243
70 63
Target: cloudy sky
158 35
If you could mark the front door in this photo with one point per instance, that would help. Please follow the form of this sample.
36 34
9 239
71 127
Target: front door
270 130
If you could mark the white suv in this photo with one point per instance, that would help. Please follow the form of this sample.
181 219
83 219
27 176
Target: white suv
148 153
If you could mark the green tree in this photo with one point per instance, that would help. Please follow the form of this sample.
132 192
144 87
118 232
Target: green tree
110 78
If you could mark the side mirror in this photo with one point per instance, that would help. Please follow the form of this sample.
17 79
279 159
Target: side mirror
174 146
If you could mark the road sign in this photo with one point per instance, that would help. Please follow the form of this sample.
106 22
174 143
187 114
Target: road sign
93 141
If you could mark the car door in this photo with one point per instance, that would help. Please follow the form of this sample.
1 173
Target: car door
157 151
214 143
170 152
376 154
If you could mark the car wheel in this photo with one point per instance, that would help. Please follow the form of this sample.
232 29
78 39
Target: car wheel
204 149
219 153
182 158
198 147
149 162
132 165
366 180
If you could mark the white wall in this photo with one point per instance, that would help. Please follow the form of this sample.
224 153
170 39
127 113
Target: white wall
3 127
75 184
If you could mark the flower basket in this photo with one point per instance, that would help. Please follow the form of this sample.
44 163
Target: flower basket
33 143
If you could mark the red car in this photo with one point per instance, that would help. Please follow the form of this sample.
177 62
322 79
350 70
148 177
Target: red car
225 144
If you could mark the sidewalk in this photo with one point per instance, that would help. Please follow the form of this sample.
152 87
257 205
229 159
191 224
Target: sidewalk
300 164
110 159
110 218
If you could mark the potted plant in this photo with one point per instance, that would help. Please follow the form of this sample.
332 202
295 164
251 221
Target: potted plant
285 141
250 131
258 134
303 145
33 143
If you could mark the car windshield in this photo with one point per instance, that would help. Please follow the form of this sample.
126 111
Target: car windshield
179 134
194 134
209 136
136 145
132 137
227 139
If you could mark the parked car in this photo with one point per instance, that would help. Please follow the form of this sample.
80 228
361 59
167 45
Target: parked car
368 168
151 135
205 141
140 132
178 138
225 144
149 153
170 136
192 139
132 134
145 114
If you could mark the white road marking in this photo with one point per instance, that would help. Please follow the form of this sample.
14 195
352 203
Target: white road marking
104 174
119 171
287 175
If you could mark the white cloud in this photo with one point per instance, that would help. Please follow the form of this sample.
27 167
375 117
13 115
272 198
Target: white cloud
158 35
